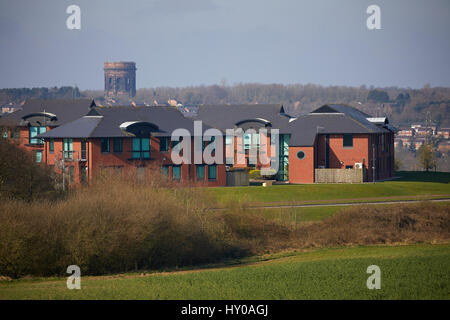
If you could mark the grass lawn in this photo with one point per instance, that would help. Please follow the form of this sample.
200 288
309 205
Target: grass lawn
298 215
407 272
410 185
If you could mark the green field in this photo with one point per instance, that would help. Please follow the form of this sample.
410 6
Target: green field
410 185
407 272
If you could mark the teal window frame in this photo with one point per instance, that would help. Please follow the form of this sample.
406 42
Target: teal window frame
200 172
165 170
176 173
68 148
140 148
212 172
34 131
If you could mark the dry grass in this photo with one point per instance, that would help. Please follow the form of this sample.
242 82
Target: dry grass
119 224
366 225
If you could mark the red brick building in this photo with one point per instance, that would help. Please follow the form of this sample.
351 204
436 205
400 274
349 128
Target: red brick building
331 137
38 116
81 139
124 139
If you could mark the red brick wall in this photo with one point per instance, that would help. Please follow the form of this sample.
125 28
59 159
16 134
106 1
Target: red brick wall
96 160
301 171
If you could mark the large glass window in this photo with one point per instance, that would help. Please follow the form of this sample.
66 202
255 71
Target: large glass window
141 148
348 140
200 172
105 145
212 172
33 132
68 149
176 172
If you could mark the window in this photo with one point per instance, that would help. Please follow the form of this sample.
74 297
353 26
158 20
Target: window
117 142
163 144
348 167
105 145
83 150
51 145
200 172
165 170
33 132
301 155
16 133
212 174
348 141
68 149
176 172
5 134
141 148
39 156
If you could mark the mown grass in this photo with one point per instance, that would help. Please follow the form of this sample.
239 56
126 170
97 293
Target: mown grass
407 272
410 185
298 215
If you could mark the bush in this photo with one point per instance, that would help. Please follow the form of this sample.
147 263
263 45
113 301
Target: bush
21 177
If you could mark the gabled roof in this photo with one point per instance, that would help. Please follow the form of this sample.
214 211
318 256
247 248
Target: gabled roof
228 116
108 122
330 119
55 111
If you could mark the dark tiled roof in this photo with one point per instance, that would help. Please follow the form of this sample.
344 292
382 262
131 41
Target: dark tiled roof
80 128
65 110
102 122
226 116
330 119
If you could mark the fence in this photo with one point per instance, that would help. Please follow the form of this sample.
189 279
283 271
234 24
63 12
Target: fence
340 175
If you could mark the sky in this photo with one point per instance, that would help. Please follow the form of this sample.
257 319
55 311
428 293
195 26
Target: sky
203 42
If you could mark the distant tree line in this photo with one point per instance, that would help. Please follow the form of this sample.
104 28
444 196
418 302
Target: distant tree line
403 106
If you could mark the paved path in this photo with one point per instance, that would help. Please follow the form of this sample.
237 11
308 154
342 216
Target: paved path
343 204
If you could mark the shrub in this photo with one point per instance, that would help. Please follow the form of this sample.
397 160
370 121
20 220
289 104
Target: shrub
21 177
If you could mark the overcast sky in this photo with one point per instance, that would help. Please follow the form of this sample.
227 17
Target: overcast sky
194 42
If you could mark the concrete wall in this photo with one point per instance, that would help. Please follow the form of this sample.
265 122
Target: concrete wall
339 175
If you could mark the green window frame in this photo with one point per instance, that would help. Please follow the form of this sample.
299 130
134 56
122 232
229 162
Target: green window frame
200 172
347 141
118 145
105 145
212 172
5 134
163 144
33 131
141 148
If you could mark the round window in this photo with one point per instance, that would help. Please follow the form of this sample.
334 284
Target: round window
300 155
